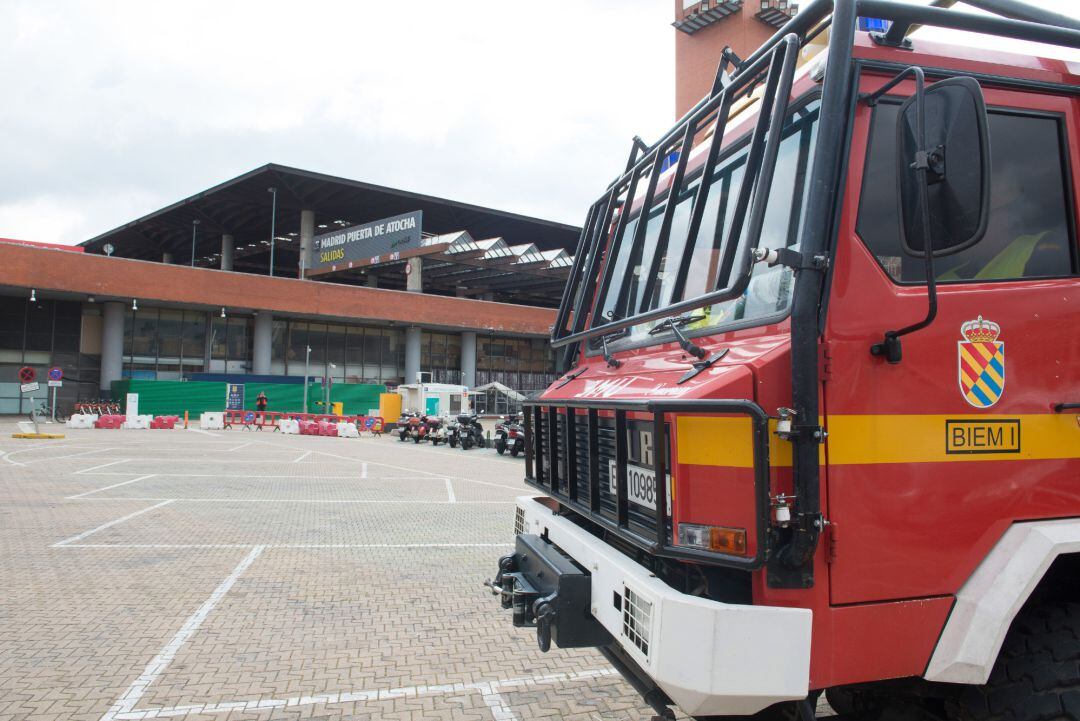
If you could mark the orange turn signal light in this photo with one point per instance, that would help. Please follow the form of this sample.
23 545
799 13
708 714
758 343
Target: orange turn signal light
713 538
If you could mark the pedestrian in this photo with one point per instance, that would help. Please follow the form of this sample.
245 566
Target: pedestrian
261 401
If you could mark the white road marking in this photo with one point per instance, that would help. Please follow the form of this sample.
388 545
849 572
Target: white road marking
450 492
103 465
5 455
503 544
363 470
200 430
242 445
126 703
303 456
74 455
331 501
489 691
115 485
110 524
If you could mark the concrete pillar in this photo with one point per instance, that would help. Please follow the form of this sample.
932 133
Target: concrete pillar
414 280
227 247
112 345
307 232
264 331
412 353
468 359
166 257
372 280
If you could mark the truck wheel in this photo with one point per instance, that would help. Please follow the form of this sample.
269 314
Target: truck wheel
1035 675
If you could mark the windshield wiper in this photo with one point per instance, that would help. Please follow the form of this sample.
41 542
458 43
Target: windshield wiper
675 324
612 361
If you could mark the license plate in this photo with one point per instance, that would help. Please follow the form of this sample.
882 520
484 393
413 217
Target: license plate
640 486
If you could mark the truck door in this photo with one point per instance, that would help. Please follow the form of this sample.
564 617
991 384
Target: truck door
931 459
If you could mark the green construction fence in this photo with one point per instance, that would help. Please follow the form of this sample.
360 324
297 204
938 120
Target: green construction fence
172 398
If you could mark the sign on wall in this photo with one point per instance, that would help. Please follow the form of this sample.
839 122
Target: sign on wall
340 248
234 396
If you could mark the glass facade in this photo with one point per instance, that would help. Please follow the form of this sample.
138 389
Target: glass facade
164 344
172 344
42 334
523 364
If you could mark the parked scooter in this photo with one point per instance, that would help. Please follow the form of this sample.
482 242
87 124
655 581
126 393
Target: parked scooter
435 429
453 432
510 435
412 426
470 433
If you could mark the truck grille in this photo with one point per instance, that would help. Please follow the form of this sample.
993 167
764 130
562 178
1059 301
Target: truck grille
576 486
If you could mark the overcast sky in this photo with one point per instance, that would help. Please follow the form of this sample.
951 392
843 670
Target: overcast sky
112 110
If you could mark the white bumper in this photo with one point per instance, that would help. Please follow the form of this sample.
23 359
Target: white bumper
711 658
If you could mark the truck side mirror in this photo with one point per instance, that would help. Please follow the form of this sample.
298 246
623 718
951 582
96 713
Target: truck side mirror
956 158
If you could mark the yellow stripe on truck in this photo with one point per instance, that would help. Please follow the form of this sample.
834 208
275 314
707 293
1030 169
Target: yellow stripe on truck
933 439
872 439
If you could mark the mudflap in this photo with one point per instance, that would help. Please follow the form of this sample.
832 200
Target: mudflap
548 591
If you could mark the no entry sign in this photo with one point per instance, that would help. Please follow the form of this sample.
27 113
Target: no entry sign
27 374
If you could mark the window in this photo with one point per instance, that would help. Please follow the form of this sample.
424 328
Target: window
1028 234
769 292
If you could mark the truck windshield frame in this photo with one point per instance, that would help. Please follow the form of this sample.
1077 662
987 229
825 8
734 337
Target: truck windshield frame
782 226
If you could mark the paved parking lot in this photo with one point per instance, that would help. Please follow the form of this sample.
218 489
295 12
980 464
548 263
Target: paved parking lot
241 575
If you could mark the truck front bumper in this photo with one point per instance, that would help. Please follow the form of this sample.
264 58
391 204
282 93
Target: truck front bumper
710 658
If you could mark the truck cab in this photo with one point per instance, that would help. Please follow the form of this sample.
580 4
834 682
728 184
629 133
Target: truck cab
819 426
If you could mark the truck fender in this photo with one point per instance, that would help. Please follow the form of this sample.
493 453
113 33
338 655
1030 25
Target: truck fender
989 600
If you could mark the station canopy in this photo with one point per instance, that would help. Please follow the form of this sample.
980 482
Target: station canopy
467 249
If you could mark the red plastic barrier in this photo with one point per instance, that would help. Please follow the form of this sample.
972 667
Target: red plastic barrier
110 422
308 428
327 428
164 422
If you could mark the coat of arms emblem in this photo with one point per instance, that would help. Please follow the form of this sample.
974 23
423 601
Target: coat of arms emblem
980 361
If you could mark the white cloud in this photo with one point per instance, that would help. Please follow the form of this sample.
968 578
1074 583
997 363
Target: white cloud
525 107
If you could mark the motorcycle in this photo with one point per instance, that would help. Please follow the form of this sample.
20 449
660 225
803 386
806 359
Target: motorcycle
470 433
435 429
451 432
411 425
510 436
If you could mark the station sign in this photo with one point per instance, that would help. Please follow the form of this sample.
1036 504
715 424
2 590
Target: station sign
342 248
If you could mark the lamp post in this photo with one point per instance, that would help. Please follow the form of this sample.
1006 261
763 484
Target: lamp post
307 374
273 217
194 231
327 382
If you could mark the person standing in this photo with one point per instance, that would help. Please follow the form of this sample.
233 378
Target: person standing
261 401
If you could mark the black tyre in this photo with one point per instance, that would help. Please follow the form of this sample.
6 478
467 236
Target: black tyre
466 443
416 438
402 436
500 446
514 451
1036 675
453 441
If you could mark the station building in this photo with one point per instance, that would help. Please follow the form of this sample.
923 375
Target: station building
281 273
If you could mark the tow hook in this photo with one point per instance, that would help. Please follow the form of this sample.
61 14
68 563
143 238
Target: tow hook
548 591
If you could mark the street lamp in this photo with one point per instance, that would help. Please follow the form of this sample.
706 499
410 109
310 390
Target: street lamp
307 374
273 217
194 231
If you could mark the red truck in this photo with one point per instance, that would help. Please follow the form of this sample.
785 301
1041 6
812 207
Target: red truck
819 428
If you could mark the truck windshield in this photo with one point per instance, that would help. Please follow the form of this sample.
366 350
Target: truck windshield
769 292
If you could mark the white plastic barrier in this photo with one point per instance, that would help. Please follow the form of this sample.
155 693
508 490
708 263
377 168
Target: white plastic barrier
347 430
81 420
213 421
138 422
289 426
